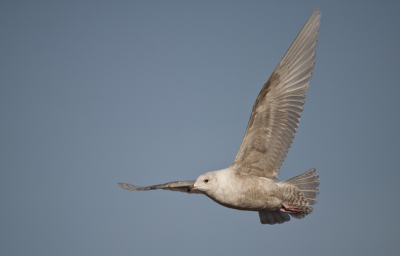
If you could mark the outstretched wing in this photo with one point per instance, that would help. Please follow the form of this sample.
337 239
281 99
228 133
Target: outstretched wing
181 186
277 110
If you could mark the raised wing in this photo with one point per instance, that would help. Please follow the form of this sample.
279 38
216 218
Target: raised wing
181 186
277 110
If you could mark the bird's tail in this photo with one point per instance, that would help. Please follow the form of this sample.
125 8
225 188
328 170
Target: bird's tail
301 191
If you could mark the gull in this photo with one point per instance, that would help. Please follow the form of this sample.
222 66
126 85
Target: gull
249 183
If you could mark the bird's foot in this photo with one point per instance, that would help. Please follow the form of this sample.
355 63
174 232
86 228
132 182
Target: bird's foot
290 208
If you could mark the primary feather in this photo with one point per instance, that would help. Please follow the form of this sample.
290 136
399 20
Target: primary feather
277 110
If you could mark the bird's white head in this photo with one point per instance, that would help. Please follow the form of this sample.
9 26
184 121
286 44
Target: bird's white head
206 182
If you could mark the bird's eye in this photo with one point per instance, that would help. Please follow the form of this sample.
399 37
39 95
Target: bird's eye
206 180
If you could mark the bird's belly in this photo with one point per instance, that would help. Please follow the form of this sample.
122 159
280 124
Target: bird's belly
253 198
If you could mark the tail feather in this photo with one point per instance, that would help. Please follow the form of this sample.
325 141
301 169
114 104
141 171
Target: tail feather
306 180
308 186
307 174
312 201
307 183
310 194
302 191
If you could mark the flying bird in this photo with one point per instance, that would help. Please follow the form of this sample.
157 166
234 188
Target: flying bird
248 184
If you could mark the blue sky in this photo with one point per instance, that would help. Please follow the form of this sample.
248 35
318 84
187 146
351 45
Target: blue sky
98 92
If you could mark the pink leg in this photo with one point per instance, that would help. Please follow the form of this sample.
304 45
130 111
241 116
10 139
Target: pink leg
289 208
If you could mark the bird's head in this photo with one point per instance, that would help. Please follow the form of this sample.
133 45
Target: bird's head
205 182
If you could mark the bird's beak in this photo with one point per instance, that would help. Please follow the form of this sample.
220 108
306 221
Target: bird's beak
191 188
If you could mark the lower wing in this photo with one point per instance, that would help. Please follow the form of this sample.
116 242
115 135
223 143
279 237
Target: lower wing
181 186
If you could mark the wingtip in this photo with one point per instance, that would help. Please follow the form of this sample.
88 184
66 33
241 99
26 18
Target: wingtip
124 185
316 15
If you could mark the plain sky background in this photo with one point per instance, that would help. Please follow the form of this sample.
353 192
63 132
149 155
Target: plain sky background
146 92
